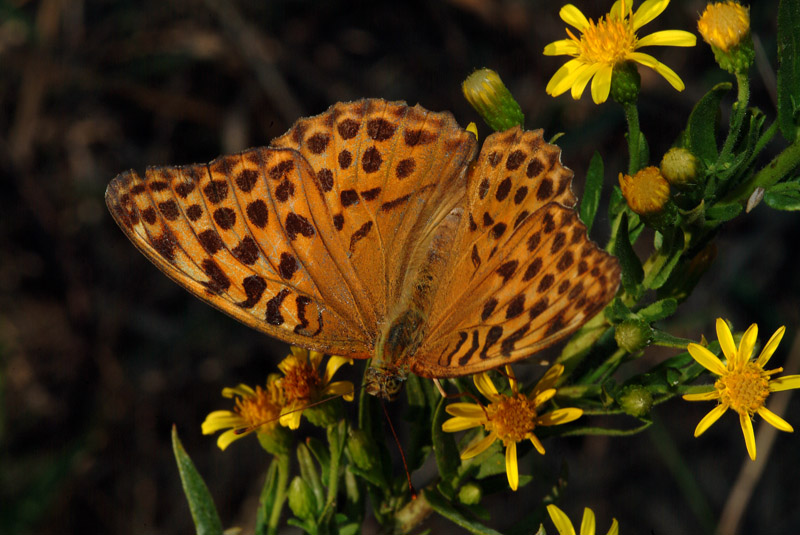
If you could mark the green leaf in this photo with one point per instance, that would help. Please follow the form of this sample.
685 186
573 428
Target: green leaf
661 265
789 69
267 498
659 310
444 445
632 273
701 133
719 213
592 190
784 196
320 452
439 504
617 311
310 476
204 513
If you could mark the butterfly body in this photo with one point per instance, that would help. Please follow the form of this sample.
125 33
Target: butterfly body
373 231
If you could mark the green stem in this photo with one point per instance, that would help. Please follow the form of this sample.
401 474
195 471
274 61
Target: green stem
634 133
280 495
779 167
737 117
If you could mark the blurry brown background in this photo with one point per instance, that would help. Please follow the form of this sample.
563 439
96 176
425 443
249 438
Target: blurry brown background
100 353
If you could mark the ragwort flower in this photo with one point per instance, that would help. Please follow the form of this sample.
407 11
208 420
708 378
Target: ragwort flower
303 385
610 42
510 419
743 384
256 411
646 192
565 527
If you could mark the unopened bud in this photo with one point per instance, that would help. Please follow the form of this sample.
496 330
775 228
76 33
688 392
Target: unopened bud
679 166
470 494
635 401
633 335
485 91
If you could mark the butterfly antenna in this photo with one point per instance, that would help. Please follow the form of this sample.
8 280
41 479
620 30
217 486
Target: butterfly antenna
402 455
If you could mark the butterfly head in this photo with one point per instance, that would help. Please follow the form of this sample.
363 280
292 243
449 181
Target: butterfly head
385 383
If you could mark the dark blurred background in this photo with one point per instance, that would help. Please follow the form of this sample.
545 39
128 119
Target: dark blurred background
100 353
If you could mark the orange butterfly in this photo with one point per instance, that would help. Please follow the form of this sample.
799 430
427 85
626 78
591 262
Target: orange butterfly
372 231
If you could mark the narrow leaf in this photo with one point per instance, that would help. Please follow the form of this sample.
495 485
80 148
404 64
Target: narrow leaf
701 129
204 513
267 498
592 190
632 272
659 310
719 213
789 69
784 196
439 504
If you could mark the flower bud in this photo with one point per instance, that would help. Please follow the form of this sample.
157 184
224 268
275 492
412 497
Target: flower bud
726 27
679 166
470 494
625 82
646 192
485 91
301 499
633 335
635 401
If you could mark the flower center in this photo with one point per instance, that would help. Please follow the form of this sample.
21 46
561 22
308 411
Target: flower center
512 418
724 24
258 409
301 382
744 390
607 41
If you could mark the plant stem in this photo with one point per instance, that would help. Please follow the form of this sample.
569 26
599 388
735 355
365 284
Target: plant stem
634 133
280 495
737 117
779 167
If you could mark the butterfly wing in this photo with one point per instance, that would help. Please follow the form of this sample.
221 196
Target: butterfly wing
524 274
296 240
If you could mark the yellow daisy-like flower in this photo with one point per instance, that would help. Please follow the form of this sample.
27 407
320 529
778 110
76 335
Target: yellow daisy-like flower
724 24
743 384
510 419
255 410
609 42
565 527
646 192
303 385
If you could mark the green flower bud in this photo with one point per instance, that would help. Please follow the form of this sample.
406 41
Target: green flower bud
276 440
625 82
470 494
738 59
635 401
485 91
679 166
301 499
633 335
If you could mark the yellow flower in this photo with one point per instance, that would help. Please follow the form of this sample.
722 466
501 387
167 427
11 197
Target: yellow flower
743 384
724 24
646 192
510 419
609 42
303 385
564 526
255 410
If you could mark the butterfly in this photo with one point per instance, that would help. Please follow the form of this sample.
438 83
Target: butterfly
372 230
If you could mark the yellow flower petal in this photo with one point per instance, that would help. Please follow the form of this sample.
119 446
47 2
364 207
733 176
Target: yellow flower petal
749 437
512 380
706 359
564 47
564 77
485 386
314 358
726 342
560 416
601 84
241 390
466 410
648 11
668 74
334 363
512 470
749 339
770 347
226 438
774 420
709 419
704 396
537 444
616 9
787 382
221 420
614 529
668 38
544 397
453 425
550 378
291 419
588 522
561 520
478 446
583 78
573 16
340 388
